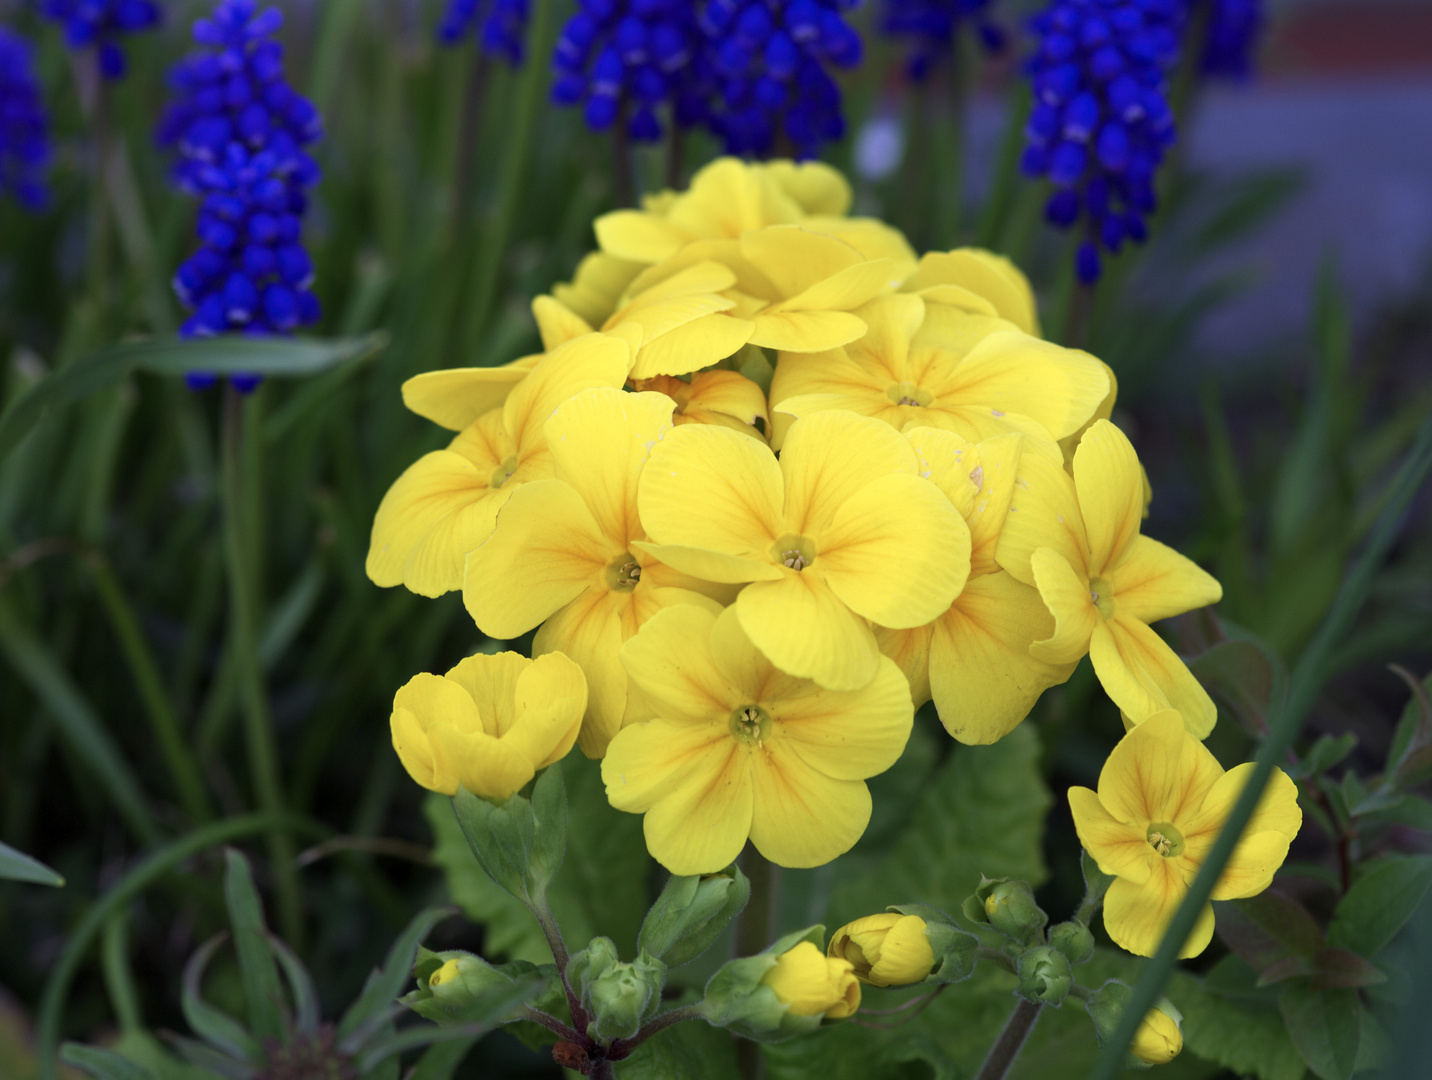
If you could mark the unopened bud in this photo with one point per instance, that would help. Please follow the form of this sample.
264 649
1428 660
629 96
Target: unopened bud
1074 940
782 991
623 996
1159 1038
1044 975
691 913
1006 905
586 966
456 987
889 949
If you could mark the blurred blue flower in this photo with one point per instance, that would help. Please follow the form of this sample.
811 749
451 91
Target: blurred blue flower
1101 122
932 27
96 23
770 59
501 25
24 127
633 57
239 132
1234 27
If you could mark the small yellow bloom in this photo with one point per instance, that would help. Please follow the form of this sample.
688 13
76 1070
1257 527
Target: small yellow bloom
1077 540
888 949
714 397
445 974
979 282
566 554
928 365
974 658
446 502
842 530
490 723
740 750
1159 1037
1161 802
813 985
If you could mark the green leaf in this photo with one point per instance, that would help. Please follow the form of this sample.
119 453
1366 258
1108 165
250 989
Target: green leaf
273 357
366 1014
1242 676
217 1028
549 842
489 1007
17 866
1326 1027
103 1064
1380 901
257 969
441 1060
1242 1031
1323 755
305 994
692 1050
983 813
1415 726
1335 968
1409 810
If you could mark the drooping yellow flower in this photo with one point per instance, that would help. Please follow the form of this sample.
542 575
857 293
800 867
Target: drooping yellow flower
566 555
1159 1038
974 659
741 750
813 984
446 502
979 282
714 397
928 365
1161 802
1077 540
888 949
842 530
490 723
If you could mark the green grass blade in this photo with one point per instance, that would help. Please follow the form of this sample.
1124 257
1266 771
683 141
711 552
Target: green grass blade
103 1064
257 969
358 1022
17 866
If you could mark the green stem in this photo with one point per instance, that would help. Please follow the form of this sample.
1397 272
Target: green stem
240 487
52 1001
1011 1041
183 768
754 933
118 978
1284 723
1005 184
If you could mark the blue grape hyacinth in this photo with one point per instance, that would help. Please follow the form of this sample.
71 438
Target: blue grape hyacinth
1101 122
24 127
239 132
501 26
1234 27
97 23
931 30
770 57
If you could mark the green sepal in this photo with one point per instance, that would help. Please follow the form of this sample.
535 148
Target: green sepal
623 997
466 998
519 843
1006 905
738 1001
1096 884
1073 939
1105 1007
691 913
1045 976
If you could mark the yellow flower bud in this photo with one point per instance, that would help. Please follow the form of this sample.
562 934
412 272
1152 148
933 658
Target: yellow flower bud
490 723
447 973
1159 1038
889 949
812 984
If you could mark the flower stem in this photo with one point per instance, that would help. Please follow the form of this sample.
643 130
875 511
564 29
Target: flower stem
753 933
1010 1041
620 1048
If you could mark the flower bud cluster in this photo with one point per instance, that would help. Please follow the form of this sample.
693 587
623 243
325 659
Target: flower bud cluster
501 26
96 23
239 132
1101 120
24 126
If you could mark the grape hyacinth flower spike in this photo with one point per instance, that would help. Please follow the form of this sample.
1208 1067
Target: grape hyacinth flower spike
501 26
97 23
1231 38
1101 122
24 127
239 132
931 29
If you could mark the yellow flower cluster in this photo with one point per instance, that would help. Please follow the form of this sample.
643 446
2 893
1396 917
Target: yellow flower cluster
773 483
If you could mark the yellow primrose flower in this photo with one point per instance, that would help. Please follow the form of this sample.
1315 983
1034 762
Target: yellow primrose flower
597 286
813 984
928 365
490 723
1161 802
566 556
445 503
974 659
1077 540
979 282
714 397
1159 1037
888 949
842 530
741 750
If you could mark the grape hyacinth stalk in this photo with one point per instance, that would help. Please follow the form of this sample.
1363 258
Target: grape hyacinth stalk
97 23
931 28
239 132
501 26
1101 122
1231 38
24 127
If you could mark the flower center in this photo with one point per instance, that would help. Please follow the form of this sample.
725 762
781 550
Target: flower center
503 472
623 573
794 551
750 725
1101 593
1166 839
908 393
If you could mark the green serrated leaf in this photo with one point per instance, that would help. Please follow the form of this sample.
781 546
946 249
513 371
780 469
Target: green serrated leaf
692 1050
257 970
1326 1027
983 813
103 1064
1380 901
17 866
